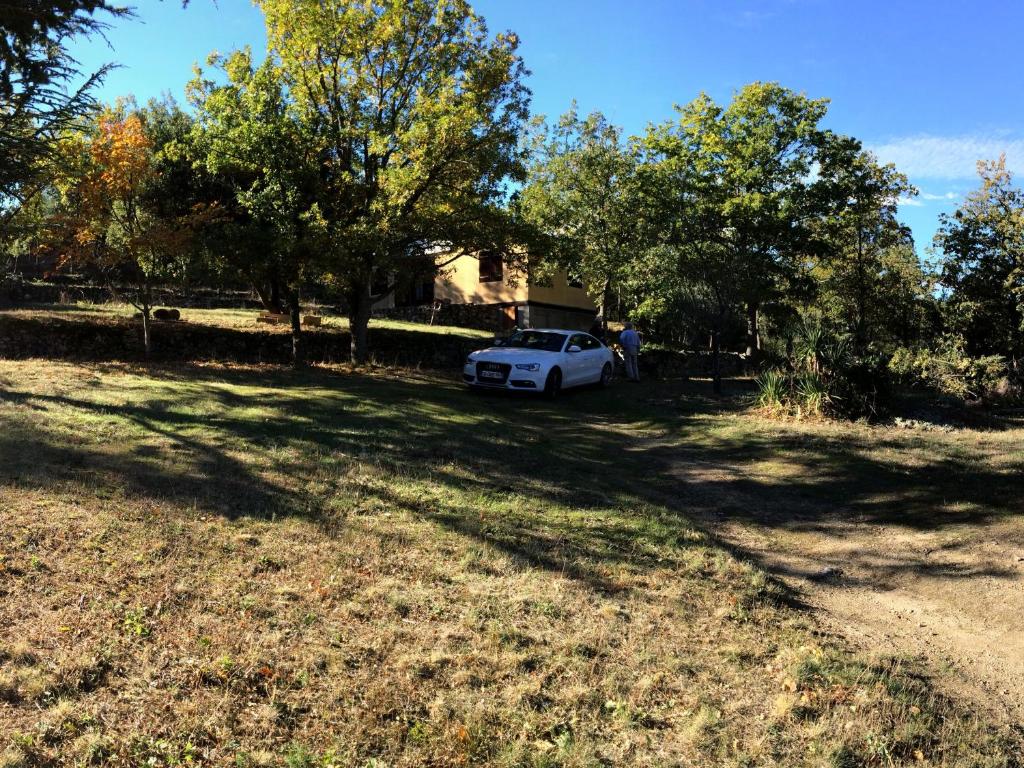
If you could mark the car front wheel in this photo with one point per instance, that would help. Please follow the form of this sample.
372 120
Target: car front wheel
606 375
553 384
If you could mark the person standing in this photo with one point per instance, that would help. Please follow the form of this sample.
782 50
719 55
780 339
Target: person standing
630 341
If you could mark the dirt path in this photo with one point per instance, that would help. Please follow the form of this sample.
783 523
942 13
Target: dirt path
954 597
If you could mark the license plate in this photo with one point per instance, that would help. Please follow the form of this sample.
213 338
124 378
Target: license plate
490 374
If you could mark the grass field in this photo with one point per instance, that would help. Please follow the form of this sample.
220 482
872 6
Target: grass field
250 566
245 319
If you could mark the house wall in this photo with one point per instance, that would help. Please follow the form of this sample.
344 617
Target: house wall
460 284
563 295
385 302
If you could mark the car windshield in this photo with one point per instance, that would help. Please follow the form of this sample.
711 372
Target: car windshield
539 340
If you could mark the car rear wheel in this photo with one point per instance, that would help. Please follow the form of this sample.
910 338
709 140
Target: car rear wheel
606 375
553 384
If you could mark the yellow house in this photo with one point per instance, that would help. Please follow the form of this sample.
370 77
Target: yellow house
484 279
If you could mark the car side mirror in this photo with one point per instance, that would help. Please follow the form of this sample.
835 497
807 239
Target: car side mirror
573 348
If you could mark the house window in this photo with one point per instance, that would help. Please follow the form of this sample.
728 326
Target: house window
423 293
491 267
380 284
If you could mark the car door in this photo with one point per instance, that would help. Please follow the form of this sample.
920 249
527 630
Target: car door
575 362
594 359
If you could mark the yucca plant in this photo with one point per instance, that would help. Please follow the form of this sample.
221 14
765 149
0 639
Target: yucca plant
812 394
772 391
837 354
809 346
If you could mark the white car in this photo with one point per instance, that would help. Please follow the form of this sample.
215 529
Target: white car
542 360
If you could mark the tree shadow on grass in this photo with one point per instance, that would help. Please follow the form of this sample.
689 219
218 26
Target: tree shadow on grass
261 442
848 485
189 438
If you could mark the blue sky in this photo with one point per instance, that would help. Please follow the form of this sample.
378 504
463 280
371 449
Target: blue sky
932 86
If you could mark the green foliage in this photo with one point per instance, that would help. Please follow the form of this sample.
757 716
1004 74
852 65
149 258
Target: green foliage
585 197
260 168
825 378
773 390
734 214
135 622
413 115
42 92
735 197
867 277
812 393
948 370
983 265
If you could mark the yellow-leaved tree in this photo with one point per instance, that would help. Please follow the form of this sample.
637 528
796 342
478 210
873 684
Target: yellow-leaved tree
112 220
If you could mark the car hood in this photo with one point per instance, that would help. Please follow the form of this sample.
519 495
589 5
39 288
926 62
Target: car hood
517 354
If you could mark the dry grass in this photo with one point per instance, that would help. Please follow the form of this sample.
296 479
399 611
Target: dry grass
210 565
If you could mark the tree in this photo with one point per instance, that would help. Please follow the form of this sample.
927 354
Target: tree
264 166
983 264
583 194
766 146
868 276
415 115
737 187
38 101
114 217
744 193
695 262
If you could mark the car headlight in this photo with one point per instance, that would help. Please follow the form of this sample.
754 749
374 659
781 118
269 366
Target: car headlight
528 366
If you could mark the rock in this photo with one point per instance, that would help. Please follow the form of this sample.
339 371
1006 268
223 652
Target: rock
166 314
826 574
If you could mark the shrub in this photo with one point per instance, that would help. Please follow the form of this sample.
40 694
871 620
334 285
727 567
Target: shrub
948 370
812 394
11 286
864 388
827 379
773 391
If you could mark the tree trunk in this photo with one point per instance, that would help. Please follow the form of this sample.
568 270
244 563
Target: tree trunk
862 302
296 316
753 333
275 294
716 360
268 290
265 298
146 342
359 323
605 299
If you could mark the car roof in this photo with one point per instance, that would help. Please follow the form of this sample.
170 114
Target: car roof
551 330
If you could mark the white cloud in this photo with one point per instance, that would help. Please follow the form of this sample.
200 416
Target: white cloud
752 18
948 157
946 196
909 201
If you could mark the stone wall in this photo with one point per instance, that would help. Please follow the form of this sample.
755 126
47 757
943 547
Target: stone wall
60 292
730 364
483 317
74 337
670 364
555 317
50 335
490 317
